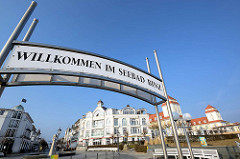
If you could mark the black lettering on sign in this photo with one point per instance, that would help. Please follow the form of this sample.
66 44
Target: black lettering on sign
25 55
110 68
131 75
154 84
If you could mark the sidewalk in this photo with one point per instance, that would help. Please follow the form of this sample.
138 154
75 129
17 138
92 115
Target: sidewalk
97 155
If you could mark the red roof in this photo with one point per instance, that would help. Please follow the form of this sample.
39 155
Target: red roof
169 97
153 116
171 102
210 107
199 121
203 120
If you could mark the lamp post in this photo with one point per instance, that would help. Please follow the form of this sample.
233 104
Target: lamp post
118 135
186 117
53 146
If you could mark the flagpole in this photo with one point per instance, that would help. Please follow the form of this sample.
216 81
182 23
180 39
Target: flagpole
8 46
169 108
158 120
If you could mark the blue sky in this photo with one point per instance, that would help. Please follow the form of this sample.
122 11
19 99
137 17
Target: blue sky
197 43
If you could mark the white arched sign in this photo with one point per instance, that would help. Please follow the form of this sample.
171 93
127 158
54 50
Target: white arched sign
38 64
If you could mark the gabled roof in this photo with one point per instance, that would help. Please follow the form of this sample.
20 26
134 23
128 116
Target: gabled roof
169 97
203 120
199 121
210 108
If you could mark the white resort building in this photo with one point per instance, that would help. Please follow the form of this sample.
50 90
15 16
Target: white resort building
15 129
105 126
208 124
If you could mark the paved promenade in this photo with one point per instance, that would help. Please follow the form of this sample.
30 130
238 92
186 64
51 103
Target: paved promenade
99 155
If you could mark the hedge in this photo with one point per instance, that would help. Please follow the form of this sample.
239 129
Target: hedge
140 148
195 138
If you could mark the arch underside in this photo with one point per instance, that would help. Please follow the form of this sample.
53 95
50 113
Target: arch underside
27 78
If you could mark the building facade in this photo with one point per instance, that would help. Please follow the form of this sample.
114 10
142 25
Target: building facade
105 126
165 120
15 130
208 124
212 123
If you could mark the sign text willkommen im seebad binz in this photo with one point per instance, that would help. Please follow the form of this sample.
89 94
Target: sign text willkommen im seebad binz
44 58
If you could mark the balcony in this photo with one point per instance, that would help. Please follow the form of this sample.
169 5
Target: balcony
98 134
97 126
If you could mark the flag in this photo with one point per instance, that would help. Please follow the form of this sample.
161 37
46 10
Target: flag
24 100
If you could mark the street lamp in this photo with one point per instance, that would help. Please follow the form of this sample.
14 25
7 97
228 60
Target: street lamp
186 117
55 138
118 135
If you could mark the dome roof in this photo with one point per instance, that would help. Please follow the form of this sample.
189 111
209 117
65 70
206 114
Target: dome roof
18 108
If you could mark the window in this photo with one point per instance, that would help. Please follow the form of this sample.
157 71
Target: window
194 123
199 122
14 114
143 121
115 122
98 113
107 141
124 130
10 133
27 132
108 131
13 123
115 111
145 130
87 133
2 112
124 122
134 130
133 122
97 132
98 123
17 115
128 110
116 131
